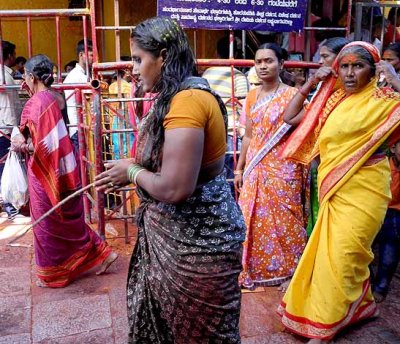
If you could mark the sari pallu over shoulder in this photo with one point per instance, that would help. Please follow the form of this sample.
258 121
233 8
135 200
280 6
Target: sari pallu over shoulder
54 162
330 289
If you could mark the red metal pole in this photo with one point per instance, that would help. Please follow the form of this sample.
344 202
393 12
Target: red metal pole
98 149
85 40
105 66
117 33
82 152
3 76
29 34
233 99
348 24
94 37
44 13
58 38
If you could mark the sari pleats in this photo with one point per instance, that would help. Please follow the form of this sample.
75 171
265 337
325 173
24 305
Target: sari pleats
182 284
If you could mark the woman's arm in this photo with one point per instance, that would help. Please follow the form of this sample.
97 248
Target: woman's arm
294 111
182 156
181 163
242 157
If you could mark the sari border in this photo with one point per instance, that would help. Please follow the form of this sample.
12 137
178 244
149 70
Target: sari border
310 329
337 173
61 275
271 143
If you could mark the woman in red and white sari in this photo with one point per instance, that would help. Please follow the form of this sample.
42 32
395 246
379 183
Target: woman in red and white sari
65 246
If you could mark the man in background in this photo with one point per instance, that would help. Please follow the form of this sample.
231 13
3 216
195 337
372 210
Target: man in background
77 76
10 111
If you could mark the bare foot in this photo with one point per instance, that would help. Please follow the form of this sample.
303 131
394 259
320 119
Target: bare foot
283 287
107 263
40 284
379 297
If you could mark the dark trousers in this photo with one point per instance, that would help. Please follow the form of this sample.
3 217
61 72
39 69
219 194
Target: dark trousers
388 241
75 141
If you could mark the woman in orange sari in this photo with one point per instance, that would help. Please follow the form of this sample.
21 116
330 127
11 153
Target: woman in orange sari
330 288
271 188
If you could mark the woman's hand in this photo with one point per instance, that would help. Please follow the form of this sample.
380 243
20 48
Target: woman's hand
18 143
115 176
385 69
323 73
238 182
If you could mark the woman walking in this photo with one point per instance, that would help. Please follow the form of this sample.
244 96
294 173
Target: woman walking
182 283
331 288
271 188
65 246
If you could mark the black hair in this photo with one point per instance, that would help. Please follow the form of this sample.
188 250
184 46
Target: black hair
159 34
393 13
223 45
125 58
41 68
335 44
362 53
8 49
20 59
70 64
80 47
395 47
279 53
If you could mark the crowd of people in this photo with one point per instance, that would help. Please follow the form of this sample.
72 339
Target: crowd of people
313 176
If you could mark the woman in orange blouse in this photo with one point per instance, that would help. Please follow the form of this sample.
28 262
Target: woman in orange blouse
182 283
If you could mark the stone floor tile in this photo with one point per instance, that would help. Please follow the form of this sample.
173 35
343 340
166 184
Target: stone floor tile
121 329
21 338
15 315
15 281
70 317
104 336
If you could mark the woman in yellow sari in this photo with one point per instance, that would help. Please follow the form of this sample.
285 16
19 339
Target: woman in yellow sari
330 288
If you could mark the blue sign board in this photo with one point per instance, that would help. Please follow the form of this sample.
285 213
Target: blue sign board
263 15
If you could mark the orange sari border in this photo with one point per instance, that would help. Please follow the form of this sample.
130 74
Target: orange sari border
83 260
362 155
310 329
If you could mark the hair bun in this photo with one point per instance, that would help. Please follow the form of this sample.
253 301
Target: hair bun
47 79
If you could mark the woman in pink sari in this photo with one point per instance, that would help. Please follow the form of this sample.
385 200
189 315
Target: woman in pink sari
65 246
271 188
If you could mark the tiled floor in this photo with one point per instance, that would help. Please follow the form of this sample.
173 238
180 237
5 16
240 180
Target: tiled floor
93 308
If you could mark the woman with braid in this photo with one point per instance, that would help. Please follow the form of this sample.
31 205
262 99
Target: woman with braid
183 277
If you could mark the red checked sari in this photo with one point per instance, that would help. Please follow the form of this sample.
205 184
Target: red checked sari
64 245
330 288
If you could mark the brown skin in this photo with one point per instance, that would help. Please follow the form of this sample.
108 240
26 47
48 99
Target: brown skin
267 67
355 73
181 169
294 112
389 66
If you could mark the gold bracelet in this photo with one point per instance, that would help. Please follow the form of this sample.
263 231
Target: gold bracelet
237 172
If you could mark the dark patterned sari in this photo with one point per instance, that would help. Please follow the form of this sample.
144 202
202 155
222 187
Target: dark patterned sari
183 277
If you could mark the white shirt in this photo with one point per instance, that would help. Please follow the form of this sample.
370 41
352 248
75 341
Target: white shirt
10 106
75 76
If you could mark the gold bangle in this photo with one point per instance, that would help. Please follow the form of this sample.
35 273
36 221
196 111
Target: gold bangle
237 172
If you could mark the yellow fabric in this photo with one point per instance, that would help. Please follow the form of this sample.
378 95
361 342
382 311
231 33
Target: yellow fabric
125 87
199 109
330 288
